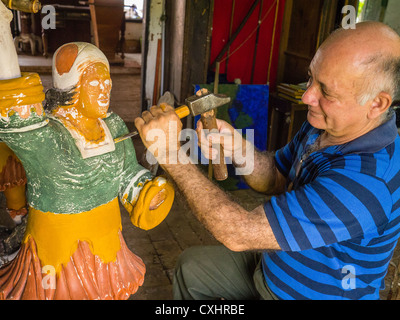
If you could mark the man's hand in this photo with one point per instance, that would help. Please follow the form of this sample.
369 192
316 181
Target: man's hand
159 129
235 146
232 142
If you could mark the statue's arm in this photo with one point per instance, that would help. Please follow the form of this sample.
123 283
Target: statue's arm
147 199
21 94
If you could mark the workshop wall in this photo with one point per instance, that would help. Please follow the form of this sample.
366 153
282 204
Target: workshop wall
392 15
249 53
386 11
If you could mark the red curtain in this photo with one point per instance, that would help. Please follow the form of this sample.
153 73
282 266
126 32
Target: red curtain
240 63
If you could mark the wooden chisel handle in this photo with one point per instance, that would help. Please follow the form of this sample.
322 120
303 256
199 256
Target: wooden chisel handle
220 170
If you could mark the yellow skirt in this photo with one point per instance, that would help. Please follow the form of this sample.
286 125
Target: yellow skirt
73 256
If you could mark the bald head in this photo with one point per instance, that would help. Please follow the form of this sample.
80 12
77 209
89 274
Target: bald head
372 32
372 49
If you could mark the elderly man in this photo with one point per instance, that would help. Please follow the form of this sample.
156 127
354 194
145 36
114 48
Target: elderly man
331 227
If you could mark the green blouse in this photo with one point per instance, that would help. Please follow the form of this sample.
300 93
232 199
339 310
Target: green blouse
60 180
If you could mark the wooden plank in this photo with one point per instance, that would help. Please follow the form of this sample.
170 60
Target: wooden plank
107 17
196 42
157 76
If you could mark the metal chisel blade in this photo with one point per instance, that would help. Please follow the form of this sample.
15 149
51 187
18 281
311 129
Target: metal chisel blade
126 136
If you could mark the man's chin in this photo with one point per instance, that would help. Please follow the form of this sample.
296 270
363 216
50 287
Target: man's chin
317 121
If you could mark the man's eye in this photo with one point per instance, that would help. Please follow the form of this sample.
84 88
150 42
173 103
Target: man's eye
324 93
309 83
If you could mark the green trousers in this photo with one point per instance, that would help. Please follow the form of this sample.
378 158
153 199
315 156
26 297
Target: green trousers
215 272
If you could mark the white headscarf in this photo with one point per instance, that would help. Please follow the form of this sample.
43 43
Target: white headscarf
87 54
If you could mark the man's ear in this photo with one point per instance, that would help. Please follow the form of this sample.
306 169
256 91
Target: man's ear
379 105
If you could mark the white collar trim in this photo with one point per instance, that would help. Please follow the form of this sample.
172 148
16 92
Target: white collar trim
89 149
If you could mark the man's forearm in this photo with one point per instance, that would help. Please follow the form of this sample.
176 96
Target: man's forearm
229 223
204 198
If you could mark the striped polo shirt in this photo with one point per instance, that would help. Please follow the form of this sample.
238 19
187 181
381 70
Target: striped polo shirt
339 224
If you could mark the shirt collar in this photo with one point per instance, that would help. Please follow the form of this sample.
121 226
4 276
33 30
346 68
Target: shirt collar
374 140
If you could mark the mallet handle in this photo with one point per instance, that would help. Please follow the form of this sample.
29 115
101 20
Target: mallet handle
209 122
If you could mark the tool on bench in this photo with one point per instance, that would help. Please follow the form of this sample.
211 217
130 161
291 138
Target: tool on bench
200 105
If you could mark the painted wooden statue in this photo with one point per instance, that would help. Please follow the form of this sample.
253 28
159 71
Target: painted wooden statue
76 173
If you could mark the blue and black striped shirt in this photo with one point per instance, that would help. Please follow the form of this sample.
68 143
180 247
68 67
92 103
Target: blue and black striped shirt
339 225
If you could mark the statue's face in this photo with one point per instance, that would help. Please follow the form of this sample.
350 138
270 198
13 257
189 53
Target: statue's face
95 91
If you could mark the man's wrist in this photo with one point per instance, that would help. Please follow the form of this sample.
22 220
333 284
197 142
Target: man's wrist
241 155
177 158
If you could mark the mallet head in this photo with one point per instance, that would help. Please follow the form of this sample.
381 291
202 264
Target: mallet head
207 102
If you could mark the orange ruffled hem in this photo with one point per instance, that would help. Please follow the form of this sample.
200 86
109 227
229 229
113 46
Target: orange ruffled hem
85 277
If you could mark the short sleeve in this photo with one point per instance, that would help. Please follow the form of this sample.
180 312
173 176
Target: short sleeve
337 206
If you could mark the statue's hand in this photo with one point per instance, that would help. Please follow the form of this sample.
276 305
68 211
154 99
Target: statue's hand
23 96
154 203
158 199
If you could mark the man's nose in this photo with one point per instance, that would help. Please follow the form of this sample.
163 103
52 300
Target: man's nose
310 97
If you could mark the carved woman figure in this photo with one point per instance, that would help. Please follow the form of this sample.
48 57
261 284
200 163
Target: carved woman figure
73 247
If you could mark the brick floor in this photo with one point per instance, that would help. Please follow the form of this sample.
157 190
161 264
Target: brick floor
160 247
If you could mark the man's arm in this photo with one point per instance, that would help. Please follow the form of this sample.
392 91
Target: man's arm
235 227
231 224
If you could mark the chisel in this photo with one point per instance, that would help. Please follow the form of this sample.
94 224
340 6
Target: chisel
182 112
